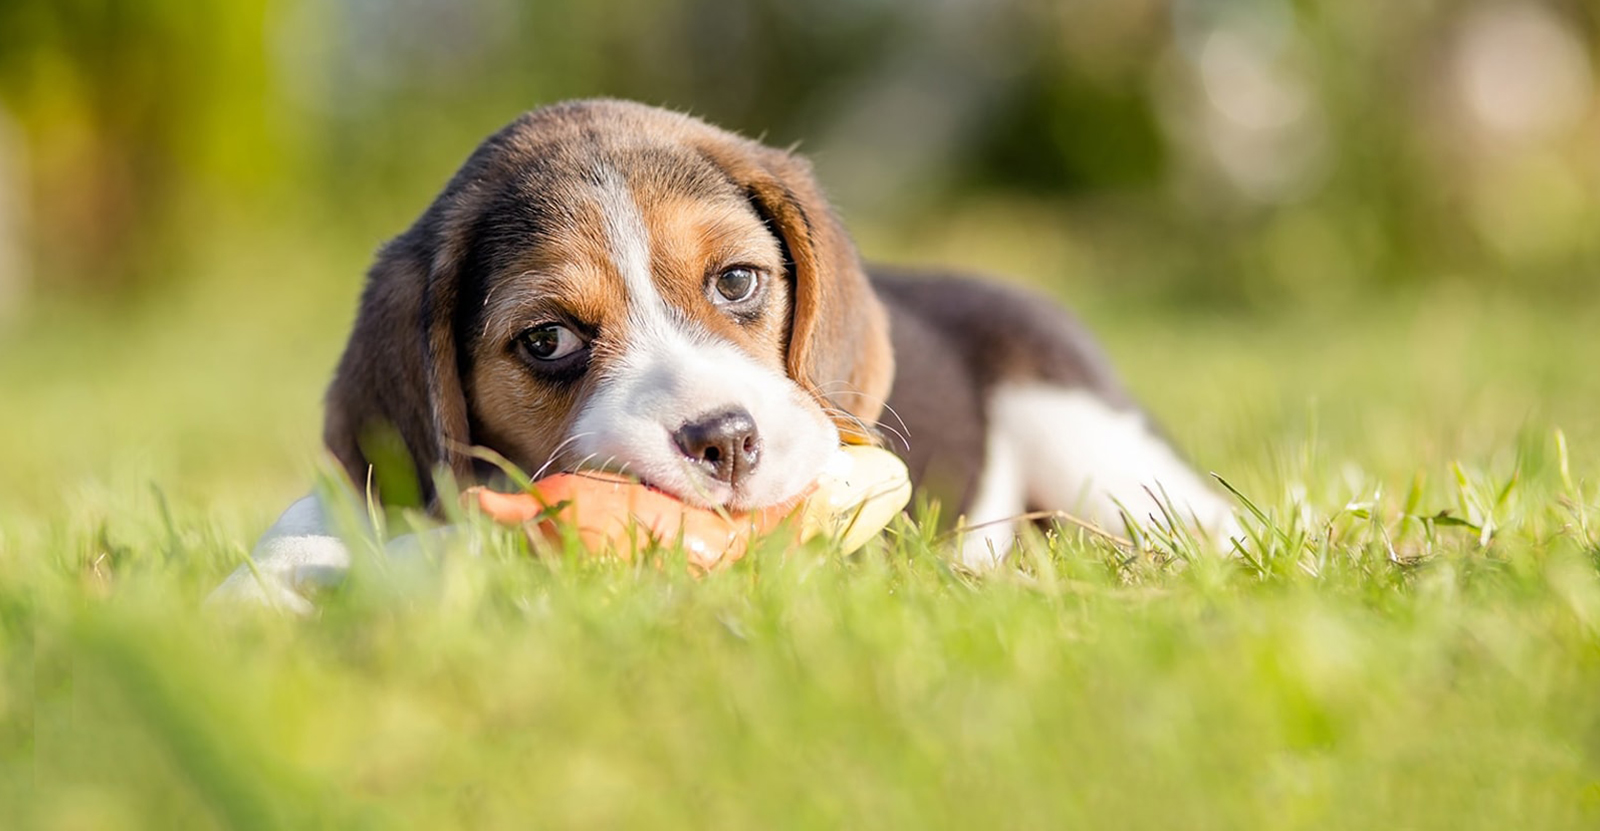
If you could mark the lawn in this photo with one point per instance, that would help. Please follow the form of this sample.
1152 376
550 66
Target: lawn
1412 641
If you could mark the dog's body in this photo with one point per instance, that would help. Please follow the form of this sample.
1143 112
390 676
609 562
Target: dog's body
1002 404
608 284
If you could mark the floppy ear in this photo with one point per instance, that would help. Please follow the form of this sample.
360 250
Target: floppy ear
395 407
839 346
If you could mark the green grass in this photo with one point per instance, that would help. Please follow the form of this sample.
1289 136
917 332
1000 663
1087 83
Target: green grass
1366 664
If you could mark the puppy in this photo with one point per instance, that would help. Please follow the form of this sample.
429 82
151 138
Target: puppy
605 284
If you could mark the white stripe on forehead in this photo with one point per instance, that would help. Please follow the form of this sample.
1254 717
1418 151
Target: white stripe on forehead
671 370
628 241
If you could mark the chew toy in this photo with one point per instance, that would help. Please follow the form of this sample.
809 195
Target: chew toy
859 491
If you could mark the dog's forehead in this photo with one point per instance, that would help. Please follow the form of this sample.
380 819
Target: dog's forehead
592 220
560 189
652 167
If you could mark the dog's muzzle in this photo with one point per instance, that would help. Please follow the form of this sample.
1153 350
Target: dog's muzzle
724 445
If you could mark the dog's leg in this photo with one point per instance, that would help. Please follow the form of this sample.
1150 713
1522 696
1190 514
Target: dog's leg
299 551
1001 496
302 553
1078 453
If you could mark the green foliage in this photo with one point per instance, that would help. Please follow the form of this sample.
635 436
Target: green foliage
1323 681
130 114
1251 150
1409 639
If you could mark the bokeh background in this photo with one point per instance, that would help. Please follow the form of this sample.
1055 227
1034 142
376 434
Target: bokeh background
189 193
1256 149
1346 251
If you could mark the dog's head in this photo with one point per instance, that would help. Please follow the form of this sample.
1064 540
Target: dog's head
605 284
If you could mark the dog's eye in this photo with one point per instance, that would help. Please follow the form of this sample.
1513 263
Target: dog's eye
550 342
737 284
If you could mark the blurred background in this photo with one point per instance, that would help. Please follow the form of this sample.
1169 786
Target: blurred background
189 192
1256 149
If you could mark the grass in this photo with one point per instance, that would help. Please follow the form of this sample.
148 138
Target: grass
1413 640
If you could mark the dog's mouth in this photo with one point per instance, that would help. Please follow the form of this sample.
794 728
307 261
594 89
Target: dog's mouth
686 485
691 486
695 488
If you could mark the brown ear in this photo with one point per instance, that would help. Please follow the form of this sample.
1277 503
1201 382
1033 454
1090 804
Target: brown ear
839 347
395 409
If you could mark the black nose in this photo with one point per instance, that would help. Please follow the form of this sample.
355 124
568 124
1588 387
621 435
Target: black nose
724 444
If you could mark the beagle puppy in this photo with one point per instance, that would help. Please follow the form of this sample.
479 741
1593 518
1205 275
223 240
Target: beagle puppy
605 284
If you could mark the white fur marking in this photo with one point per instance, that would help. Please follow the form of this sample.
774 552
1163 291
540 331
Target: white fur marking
1069 450
298 552
302 553
629 242
1000 496
672 371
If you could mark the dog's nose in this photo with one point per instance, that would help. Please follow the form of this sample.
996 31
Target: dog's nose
724 444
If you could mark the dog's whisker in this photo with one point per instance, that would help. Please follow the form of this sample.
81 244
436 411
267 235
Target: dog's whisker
901 437
846 415
575 465
844 387
609 465
864 427
556 453
835 389
888 428
905 436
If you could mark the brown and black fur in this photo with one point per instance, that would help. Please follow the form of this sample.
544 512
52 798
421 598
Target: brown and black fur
407 370
955 339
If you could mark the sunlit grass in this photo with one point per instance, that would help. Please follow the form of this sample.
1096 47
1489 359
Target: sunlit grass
1410 639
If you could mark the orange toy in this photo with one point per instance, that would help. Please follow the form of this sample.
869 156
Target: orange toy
856 496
